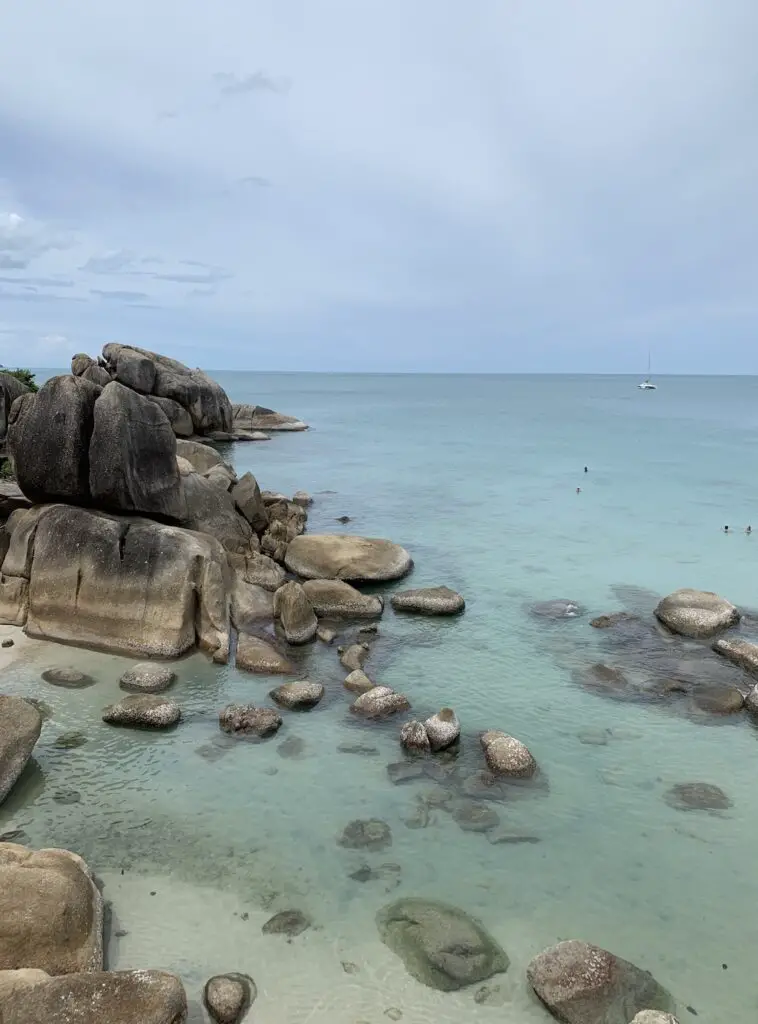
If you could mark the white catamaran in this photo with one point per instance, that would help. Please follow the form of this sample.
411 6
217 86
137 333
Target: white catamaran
647 384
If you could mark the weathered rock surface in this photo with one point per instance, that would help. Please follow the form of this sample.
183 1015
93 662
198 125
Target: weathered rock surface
358 682
228 997
654 1017
256 655
286 522
252 418
295 612
697 796
147 677
473 816
583 984
440 945
97 374
10 390
344 557
380 702
353 657
696 613
334 599
258 569
559 608
443 729
246 495
211 510
751 701
67 678
132 457
297 696
20 726
81 362
414 737
718 700
51 912
740 653
366 834
127 585
202 457
99 997
179 418
246 718
251 605
429 601
302 498
506 755
287 922
143 711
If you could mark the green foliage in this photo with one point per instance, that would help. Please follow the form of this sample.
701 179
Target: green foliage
25 376
7 470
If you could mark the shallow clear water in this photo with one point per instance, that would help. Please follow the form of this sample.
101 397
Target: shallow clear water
477 476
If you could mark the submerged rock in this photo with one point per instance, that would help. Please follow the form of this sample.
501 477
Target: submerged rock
440 945
475 817
20 727
70 741
69 678
368 834
560 608
335 599
380 702
718 700
405 771
147 677
295 612
443 729
345 557
654 1017
256 655
740 653
354 657
697 796
414 737
429 601
326 634
583 984
358 682
246 718
696 613
228 997
298 696
613 619
506 755
287 922
143 710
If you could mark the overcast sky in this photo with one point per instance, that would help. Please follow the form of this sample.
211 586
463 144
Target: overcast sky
491 185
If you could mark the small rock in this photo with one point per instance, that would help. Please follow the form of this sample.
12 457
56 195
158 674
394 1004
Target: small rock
475 817
739 652
302 498
227 997
413 736
287 922
508 836
7 643
718 700
326 635
654 1017
560 608
751 701
405 771
147 678
246 718
368 834
358 748
145 711
70 740
349 967
697 796
429 601
393 1013
358 682
380 702
292 747
490 995
608 621
506 755
67 796
370 631
593 737
68 678
343 519
298 696
354 657
256 655
443 729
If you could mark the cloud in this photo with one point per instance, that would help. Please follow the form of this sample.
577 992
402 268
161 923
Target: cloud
23 241
254 179
39 282
119 261
230 84
119 295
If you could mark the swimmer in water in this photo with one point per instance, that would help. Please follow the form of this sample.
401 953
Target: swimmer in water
749 529
578 490
726 529
586 470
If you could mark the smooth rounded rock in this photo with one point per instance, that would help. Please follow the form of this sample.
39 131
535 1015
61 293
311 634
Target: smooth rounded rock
354 657
248 719
302 498
559 608
67 678
366 834
287 922
335 599
696 613
740 652
443 729
143 711
345 557
147 677
414 737
358 682
697 796
429 601
380 702
751 701
295 612
297 696
718 700
506 755
20 727
475 817
256 655
228 997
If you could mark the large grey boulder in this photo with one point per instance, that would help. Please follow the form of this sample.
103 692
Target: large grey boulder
10 390
696 613
335 599
20 726
200 456
294 611
195 391
505 755
51 912
133 457
98 997
247 497
49 440
211 510
134 370
81 362
429 601
251 418
344 557
251 605
97 375
178 417
127 585
440 945
583 984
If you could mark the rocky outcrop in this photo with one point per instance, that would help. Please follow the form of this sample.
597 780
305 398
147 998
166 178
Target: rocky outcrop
739 652
251 605
211 510
583 984
179 418
99 997
379 702
258 569
298 696
256 655
440 945
286 522
293 609
251 418
20 726
126 585
143 711
344 557
429 601
51 912
506 755
246 495
696 613
228 997
147 677
10 390
154 374
246 718
334 599
200 456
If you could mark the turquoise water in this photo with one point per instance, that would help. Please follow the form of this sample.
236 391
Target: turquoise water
477 477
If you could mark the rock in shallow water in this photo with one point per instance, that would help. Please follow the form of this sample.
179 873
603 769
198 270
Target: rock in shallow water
440 945
68 678
335 599
369 834
147 677
145 711
345 557
696 613
256 655
20 727
429 601
559 608
379 702
739 652
246 718
718 700
228 997
443 729
287 922
697 796
413 736
353 657
298 696
654 1017
295 612
506 755
583 984
358 682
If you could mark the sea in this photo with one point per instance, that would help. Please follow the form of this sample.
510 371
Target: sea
513 490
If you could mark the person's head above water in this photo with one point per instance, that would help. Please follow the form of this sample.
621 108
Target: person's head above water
726 529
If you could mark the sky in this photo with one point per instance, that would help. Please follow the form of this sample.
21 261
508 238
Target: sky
488 186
